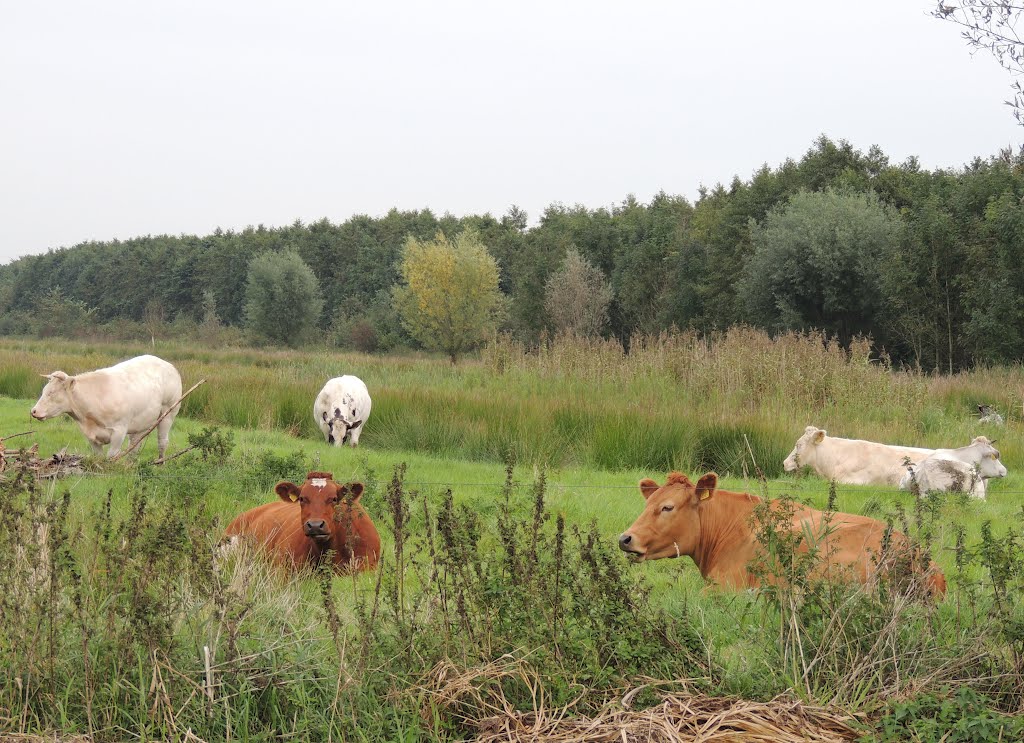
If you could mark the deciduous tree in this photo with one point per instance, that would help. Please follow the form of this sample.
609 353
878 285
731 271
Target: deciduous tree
818 263
282 298
991 25
576 297
448 297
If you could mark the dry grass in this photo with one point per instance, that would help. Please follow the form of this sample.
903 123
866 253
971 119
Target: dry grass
477 698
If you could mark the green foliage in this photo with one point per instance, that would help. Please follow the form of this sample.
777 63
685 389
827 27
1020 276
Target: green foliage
213 443
961 716
489 597
57 314
933 281
282 298
449 299
819 263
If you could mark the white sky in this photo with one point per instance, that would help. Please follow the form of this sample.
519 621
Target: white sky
120 119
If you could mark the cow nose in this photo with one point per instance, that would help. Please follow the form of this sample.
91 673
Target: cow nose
316 527
624 541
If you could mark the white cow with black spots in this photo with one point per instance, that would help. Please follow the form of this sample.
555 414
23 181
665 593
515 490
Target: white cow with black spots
341 409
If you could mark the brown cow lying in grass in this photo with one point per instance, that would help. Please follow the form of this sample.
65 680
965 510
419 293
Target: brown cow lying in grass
715 528
309 520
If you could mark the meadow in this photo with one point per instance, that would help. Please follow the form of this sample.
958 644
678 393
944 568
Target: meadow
120 620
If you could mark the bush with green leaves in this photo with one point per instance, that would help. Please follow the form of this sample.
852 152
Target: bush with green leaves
948 716
282 299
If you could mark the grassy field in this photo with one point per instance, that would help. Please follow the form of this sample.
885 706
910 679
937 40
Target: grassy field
316 658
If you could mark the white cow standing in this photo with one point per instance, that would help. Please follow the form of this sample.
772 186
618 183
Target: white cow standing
963 470
121 400
851 461
341 409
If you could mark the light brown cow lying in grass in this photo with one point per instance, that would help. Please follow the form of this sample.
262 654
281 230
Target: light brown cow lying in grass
714 527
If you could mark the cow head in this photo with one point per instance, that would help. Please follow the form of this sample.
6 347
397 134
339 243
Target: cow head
989 464
670 523
56 396
340 424
803 452
324 505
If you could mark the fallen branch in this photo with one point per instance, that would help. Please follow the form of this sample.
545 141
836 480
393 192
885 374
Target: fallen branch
130 449
186 450
15 435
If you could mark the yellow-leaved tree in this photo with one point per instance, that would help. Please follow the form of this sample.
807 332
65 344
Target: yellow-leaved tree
449 298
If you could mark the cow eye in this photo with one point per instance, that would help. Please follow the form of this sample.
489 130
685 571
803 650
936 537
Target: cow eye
666 509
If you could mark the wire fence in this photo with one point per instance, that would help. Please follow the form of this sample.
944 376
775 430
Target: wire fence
756 487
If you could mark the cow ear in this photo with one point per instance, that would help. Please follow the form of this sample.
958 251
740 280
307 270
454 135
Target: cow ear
706 486
818 437
355 425
648 487
287 491
325 415
353 491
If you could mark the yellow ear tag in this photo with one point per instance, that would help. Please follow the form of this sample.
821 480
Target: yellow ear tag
706 495
293 497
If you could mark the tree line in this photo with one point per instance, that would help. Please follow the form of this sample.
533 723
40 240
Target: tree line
926 262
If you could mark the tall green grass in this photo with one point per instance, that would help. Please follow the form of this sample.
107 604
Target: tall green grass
723 402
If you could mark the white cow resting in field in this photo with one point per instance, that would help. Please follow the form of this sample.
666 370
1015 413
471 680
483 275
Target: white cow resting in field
851 461
121 400
963 470
341 409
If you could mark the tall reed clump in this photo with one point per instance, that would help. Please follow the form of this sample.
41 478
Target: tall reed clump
722 401
852 645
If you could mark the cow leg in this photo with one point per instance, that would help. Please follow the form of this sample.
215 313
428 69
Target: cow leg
116 439
354 435
163 434
97 448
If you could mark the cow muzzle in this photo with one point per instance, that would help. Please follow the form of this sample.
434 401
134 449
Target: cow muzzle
36 415
627 545
316 529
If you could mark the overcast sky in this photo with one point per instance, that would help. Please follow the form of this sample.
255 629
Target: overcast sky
121 119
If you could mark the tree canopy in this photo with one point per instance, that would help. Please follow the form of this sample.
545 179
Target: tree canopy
819 261
924 261
282 298
449 298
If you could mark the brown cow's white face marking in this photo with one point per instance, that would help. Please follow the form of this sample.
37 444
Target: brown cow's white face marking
55 398
670 523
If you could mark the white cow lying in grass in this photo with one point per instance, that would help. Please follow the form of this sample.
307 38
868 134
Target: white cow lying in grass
341 409
851 461
122 400
990 416
963 470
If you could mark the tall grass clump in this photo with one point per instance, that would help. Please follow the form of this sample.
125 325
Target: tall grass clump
128 617
723 401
